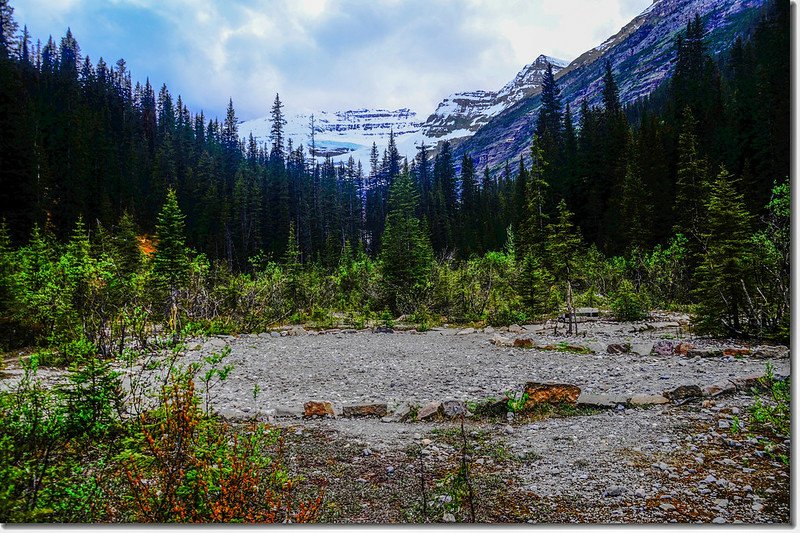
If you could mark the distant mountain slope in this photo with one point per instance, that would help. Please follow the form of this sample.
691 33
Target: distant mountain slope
641 55
350 133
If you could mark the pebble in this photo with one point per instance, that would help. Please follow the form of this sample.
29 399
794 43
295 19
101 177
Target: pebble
666 507
390 469
614 491
757 507
640 493
366 452
719 520
448 517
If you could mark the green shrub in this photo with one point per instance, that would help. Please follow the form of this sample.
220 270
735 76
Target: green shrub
628 304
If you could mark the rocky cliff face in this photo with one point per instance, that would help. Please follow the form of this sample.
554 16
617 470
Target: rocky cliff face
462 114
641 55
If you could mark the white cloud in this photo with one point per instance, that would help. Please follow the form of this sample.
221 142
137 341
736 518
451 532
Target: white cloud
333 53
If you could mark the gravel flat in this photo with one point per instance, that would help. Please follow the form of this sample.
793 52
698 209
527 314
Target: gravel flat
419 367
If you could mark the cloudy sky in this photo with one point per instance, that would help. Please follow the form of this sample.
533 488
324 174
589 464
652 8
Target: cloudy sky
327 54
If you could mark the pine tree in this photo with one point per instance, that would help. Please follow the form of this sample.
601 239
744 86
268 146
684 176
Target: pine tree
563 247
406 253
723 274
171 262
8 29
691 187
276 131
532 232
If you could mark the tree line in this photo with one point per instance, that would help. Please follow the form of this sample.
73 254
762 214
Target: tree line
679 199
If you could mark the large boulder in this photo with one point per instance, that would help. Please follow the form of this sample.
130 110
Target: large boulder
704 352
539 393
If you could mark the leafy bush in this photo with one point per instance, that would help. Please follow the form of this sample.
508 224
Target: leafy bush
629 304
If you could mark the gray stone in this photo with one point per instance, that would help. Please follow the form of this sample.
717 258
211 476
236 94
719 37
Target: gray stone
448 517
608 401
647 399
640 493
515 328
499 340
453 408
466 331
704 352
667 507
770 352
296 331
642 348
614 491
398 414
285 411
719 520
718 388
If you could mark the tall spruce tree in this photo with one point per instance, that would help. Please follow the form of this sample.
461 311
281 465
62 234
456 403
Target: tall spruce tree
406 253
171 261
723 274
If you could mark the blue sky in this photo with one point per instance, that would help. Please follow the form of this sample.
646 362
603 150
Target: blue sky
327 54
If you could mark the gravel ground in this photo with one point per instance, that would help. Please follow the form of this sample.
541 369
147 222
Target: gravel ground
661 464
438 365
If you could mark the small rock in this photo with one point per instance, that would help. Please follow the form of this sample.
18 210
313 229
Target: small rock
366 452
453 408
429 411
466 331
523 343
770 352
684 392
515 328
614 491
647 399
618 348
640 493
719 520
663 348
757 507
508 429
539 393
448 517
315 408
377 410
390 469
724 424
683 348
666 507
704 352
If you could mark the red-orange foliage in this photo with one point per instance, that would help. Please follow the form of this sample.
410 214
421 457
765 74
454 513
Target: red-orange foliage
195 469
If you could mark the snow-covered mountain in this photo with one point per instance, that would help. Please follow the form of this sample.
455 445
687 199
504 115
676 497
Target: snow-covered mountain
462 114
342 134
